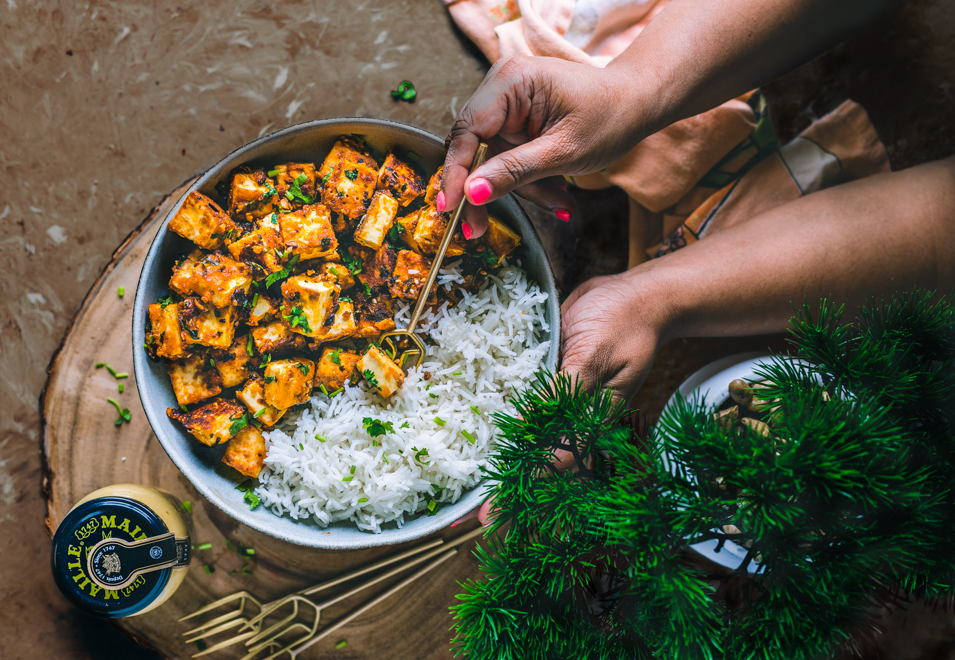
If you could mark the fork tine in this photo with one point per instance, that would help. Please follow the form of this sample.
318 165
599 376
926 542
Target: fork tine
273 642
204 632
268 610
265 633
240 595
224 644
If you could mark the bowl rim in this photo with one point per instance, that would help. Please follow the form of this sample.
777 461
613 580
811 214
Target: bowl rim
311 535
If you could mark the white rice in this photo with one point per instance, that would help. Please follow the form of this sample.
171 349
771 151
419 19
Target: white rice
486 347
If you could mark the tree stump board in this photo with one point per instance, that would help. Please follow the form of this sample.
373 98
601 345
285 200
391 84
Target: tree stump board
83 450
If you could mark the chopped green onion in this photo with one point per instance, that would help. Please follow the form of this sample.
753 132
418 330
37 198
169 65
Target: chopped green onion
301 446
439 421
334 271
347 478
121 291
352 469
248 344
100 364
120 388
321 438
208 569
250 551
212 362
470 437
432 395
183 407
245 572
205 546
338 391
458 373
362 499
187 505
261 412
475 410
322 388
273 172
229 544
342 644
255 299
432 505
233 572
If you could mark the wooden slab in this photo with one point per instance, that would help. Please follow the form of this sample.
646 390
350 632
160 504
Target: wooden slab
84 450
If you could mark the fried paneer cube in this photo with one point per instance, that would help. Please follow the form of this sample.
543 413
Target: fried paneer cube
264 309
276 338
309 304
292 178
212 276
345 149
411 270
430 230
335 367
203 222
246 451
235 364
380 372
344 323
252 395
400 179
499 238
308 232
408 224
376 314
337 273
378 270
193 379
434 186
164 338
288 382
212 423
207 325
259 250
351 186
251 193
374 227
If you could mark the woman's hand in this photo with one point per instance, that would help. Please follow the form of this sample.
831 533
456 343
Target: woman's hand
541 117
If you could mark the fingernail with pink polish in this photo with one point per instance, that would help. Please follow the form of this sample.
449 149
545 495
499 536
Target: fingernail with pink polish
480 190
563 214
466 229
439 201
455 524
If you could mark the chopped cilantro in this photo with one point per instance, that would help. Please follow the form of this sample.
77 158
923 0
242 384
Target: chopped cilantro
304 368
336 356
432 395
183 407
394 234
295 191
212 362
420 454
405 92
352 174
370 377
124 414
205 546
376 427
405 425
166 302
270 379
367 289
325 178
250 498
470 437
208 569
297 319
238 424
353 264
282 274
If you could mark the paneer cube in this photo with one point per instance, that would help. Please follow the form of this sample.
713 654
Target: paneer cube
246 452
214 277
351 186
335 367
206 324
337 273
434 186
380 372
276 338
400 179
345 324
376 314
293 181
408 224
193 379
499 238
236 364
263 310
378 270
308 232
164 339
430 230
288 382
411 270
345 149
259 250
252 395
203 222
251 194
309 304
374 227
212 423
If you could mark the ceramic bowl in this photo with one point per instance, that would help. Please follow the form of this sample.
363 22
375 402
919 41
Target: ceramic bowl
308 142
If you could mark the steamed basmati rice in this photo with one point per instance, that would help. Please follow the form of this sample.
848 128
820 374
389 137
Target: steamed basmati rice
324 465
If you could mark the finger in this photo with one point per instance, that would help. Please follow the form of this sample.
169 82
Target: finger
519 166
466 517
487 512
551 195
473 221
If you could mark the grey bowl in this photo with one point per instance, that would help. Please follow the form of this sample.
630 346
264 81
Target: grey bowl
308 142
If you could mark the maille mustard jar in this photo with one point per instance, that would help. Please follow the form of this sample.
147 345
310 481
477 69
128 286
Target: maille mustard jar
122 550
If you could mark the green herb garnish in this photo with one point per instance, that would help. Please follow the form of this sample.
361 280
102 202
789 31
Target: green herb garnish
260 413
470 437
439 421
165 302
420 453
295 191
336 356
376 427
205 546
124 414
121 291
352 263
187 505
120 388
352 174
270 379
250 498
348 478
405 92
405 425
297 319
321 438
273 172
208 569
248 345
394 234
342 644
304 368
238 424
282 274
370 377
475 410
362 500
458 373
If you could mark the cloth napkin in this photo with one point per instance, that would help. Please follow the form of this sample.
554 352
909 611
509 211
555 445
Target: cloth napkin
698 175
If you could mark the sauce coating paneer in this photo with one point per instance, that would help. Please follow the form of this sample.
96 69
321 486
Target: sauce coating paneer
309 304
214 277
408 224
264 309
345 149
378 270
400 179
246 452
376 314
411 270
259 250
252 396
344 325
203 222
434 186
276 338
235 364
164 339
380 372
295 177
207 325
308 232
335 367
251 194
351 186
430 230
288 382
212 423
500 239
193 379
374 227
